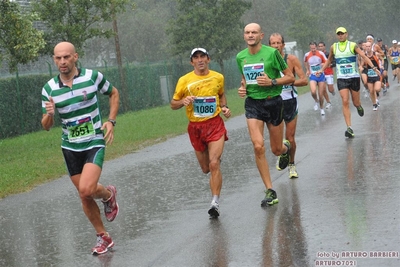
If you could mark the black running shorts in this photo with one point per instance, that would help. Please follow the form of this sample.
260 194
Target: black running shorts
351 84
373 79
290 109
269 110
75 160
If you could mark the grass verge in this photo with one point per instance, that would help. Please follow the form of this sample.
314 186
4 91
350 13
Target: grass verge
36 158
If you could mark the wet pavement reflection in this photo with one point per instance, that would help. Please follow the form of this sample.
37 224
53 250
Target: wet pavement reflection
343 208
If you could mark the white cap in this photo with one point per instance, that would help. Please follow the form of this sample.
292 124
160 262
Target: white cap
196 50
394 42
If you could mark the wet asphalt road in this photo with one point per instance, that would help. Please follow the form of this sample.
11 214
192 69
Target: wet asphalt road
344 207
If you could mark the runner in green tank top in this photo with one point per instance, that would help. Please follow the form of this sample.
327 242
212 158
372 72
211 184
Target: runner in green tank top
348 78
261 67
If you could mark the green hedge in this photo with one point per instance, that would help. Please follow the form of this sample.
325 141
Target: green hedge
20 104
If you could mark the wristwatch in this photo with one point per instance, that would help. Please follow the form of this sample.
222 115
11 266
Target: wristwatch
274 82
112 121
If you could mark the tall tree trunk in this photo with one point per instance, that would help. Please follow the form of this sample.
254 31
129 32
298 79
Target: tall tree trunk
123 89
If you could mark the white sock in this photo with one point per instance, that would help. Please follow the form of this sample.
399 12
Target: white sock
215 199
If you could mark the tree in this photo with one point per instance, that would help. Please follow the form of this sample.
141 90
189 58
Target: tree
76 21
305 27
270 14
20 42
145 38
212 24
371 19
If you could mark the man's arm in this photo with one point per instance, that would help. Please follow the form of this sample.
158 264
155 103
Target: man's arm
366 60
114 106
224 105
307 66
361 63
295 65
328 60
389 54
242 91
222 100
288 77
379 51
47 121
114 103
177 104
48 118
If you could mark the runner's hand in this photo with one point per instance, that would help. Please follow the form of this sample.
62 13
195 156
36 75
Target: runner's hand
226 111
264 80
242 89
109 128
188 100
50 106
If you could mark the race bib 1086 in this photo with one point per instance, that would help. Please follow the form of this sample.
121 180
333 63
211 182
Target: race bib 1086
204 106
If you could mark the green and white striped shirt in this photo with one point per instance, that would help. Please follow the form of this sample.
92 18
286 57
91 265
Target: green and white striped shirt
78 108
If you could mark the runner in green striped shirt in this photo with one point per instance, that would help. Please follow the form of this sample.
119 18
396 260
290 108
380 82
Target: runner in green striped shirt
73 93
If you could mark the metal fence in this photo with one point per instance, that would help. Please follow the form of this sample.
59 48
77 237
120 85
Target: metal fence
146 85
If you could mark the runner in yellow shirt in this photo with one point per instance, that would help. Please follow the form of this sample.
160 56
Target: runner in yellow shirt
201 92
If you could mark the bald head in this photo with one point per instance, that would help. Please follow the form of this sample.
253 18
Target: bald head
253 35
65 59
64 47
252 27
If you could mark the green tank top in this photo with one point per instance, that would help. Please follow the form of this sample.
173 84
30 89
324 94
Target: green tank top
346 60
267 60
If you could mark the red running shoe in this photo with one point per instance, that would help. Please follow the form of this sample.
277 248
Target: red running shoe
111 206
104 242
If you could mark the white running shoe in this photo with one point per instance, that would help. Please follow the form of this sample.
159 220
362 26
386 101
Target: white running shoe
322 112
366 93
214 210
328 105
384 89
375 107
292 171
316 106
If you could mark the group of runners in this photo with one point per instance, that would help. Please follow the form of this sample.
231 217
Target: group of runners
377 52
270 78
381 55
269 81
319 82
